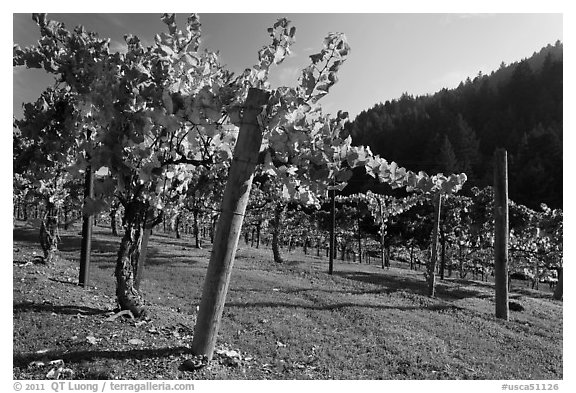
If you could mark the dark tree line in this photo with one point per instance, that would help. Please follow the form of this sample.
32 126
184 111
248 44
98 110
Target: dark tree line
518 107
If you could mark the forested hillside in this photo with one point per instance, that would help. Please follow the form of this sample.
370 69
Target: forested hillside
518 107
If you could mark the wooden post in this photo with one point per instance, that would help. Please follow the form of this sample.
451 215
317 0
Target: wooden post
433 258
87 223
501 233
559 291
332 230
442 253
359 235
382 232
383 245
233 207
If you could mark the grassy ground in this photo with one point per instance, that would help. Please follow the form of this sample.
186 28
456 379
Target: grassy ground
290 321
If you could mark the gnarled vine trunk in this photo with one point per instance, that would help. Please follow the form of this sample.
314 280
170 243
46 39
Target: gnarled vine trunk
276 222
461 261
258 230
195 230
113 222
128 296
48 234
383 246
177 226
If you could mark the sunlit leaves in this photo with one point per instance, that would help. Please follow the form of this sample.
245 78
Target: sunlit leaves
317 79
282 35
74 55
383 207
282 38
40 19
158 113
537 235
176 41
61 124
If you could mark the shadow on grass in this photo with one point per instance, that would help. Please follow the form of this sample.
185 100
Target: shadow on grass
70 243
516 287
474 283
23 360
532 292
457 293
51 308
178 243
153 258
170 261
338 306
383 291
187 242
26 234
392 283
164 235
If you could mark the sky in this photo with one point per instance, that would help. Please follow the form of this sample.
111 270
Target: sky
391 53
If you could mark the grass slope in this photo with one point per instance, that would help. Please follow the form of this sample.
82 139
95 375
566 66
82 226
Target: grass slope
290 321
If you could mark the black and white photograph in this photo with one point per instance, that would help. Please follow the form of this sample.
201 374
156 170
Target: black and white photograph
251 199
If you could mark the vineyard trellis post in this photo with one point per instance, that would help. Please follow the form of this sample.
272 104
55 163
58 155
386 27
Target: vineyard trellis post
87 223
559 291
359 233
332 229
501 233
431 272
233 207
382 233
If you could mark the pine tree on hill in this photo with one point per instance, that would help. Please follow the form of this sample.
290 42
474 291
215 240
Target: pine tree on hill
446 161
459 129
